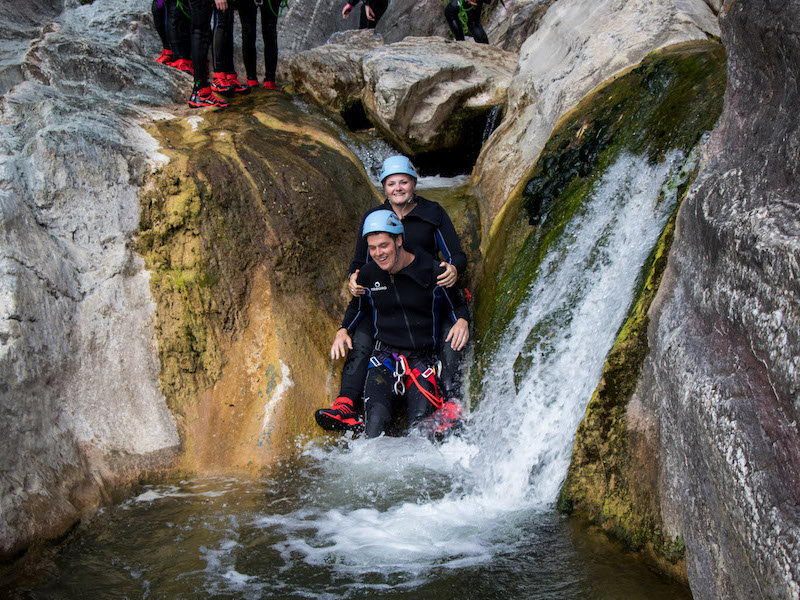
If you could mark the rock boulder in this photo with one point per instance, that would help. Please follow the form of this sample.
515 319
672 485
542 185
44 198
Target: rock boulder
561 63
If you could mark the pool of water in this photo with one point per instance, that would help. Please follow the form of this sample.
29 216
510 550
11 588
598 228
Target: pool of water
389 518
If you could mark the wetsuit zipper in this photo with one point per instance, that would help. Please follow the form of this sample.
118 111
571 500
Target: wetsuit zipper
403 310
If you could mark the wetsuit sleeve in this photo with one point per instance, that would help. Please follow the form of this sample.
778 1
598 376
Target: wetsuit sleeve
359 308
361 254
449 245
454 300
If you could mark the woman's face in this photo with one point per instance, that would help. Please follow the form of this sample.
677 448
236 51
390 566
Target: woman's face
400 188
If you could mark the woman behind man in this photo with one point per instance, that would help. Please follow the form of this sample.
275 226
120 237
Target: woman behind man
426 226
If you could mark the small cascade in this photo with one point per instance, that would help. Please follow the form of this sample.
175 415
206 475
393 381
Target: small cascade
550 359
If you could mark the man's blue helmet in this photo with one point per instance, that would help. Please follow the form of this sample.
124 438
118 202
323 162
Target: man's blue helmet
395 165
381 221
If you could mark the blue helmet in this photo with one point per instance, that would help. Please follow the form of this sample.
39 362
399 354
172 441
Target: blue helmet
395 165
382 221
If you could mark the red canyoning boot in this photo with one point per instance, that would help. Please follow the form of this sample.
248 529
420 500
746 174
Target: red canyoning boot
165 57
341 416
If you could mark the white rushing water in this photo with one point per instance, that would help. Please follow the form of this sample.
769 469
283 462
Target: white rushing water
406 508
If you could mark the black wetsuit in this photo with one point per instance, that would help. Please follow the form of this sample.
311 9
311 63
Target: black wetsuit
178 25
200 38
160 21
378 7
427 227
404 310
248 12
473 20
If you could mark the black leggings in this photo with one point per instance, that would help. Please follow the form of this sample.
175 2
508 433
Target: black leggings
378 7
248 11
473 22
178 27
222 40
160 21
378 400
201 36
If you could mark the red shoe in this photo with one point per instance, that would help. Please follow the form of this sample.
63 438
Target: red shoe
203 98
165 57
183 64
443 423
238 86
340 416
252 83
219 84
270 85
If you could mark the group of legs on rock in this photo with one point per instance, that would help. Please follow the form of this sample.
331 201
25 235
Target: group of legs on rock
189 28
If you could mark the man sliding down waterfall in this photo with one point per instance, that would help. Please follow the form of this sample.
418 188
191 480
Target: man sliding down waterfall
403 298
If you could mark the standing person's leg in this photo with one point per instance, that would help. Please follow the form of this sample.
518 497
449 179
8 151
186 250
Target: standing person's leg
269 30
343 413
160 22
450 376
221 50
451 16
378 401
474 25
200 35
178 28
248 16
419 404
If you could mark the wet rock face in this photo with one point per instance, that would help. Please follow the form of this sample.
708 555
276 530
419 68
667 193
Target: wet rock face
721 384
249 240
332 74
561 63
421 91
425 95
81 409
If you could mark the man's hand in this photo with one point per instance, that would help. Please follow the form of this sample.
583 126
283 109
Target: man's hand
355 289
458 336
342 342
448 278
370 13
346 10
221 4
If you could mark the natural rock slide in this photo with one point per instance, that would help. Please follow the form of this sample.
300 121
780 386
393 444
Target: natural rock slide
170 281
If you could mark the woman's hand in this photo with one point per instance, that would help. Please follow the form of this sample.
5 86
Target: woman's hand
449 277
221 4
458 335
341 343
355 289
346 10
370 13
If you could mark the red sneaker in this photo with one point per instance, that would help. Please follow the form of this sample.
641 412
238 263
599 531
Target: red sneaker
203 98
219 84
252 83
183 64
238 86
270 85
340 416
165 57
443 423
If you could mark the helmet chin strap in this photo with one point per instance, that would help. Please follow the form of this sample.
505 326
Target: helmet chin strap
396 256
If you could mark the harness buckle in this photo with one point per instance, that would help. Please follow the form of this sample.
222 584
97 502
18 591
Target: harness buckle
374 361
428 372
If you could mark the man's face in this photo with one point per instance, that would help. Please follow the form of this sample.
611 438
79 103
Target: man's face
382 249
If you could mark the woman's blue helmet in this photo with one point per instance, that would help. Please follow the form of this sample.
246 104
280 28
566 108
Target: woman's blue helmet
382 221
395 165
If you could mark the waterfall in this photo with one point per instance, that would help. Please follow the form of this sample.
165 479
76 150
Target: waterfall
401 506
564 330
